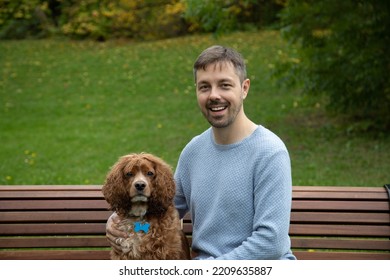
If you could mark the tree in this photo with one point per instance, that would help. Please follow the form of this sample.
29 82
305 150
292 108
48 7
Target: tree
343 53
221 16
21 19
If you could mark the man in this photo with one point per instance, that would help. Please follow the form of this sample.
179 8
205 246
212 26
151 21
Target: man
234 178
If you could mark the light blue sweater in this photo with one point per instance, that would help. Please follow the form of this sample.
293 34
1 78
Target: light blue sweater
239 196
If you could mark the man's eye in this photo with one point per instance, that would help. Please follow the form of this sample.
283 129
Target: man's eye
203 88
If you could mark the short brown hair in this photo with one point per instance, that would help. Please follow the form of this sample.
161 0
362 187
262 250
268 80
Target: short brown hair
216 54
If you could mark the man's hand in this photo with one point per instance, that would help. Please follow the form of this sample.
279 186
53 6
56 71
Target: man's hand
113 234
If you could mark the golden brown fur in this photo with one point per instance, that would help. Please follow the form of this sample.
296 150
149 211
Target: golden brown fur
141 188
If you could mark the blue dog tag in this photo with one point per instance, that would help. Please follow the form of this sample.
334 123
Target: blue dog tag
138 226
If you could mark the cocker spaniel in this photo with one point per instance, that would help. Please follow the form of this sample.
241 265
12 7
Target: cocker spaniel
140 188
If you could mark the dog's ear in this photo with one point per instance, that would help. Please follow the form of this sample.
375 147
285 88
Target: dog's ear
114 189
164 185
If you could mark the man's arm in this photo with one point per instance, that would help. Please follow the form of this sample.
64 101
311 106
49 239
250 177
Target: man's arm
113 234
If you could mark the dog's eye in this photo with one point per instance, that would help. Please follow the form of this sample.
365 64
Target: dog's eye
129 174
150 173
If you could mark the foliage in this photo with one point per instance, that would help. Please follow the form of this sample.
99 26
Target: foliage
96 19
139 19
343 54
24 18
226 15
124 18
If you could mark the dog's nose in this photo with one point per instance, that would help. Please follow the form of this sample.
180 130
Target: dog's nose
140 186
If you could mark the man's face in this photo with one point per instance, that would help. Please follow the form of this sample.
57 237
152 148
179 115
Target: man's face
220 93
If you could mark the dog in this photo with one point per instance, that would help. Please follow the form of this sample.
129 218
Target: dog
140 188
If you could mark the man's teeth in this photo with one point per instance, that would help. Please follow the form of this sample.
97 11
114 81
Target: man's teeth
217 108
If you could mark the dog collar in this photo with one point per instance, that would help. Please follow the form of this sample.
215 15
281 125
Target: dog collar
141 226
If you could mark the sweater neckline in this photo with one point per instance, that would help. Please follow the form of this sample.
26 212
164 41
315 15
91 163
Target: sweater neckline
233 145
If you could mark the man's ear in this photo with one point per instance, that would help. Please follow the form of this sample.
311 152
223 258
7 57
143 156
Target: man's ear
245 88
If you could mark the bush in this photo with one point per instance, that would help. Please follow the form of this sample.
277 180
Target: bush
342 54
95 19
127 19
21 19
223 15
139 19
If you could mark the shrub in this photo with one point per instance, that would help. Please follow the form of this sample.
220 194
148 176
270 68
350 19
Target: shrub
342 54
21 19
223 15
123 18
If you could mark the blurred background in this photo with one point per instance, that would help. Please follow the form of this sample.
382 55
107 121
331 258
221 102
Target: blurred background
85 82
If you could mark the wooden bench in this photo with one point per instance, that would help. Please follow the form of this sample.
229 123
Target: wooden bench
68 222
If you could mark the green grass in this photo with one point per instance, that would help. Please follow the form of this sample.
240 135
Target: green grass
70 109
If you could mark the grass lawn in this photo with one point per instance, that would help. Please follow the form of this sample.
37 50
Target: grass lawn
69 109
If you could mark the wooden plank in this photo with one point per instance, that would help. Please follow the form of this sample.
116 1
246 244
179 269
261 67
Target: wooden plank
340 195
96 187
319 205
52 194
55 255
60 204
42 229
53 242
320 255
340 230
49 187
342 217
187 228
55 216
378 189
339 188
340 243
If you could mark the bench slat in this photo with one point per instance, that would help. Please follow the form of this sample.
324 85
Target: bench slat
53 242
320 255
102 204
346 218
319 205
11 205
49 187
340 243
340 230
339 195
41 229
104 255
350 189
51 194
58 216
55 255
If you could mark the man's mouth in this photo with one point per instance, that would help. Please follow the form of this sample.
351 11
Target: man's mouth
217 109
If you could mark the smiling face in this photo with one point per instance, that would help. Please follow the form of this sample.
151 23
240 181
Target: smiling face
220 93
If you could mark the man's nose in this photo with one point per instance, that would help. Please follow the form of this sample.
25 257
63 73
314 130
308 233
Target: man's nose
214 94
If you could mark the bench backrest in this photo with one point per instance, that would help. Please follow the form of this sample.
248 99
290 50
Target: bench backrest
68 222
353 222
63 222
